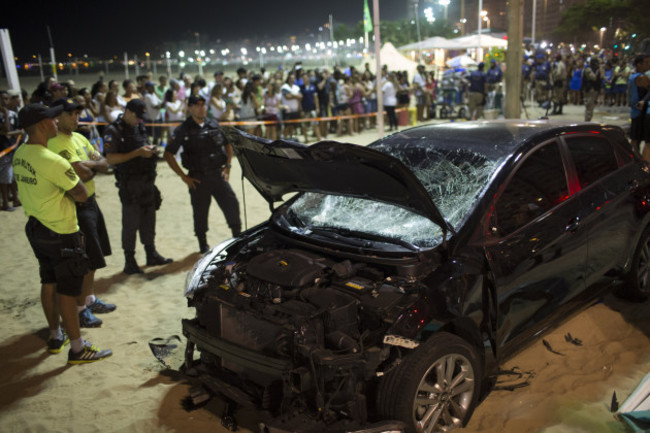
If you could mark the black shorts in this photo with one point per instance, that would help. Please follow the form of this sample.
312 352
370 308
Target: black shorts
93 227
61 258
291 115
636 128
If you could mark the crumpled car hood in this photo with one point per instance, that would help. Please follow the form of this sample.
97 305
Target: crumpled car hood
279 167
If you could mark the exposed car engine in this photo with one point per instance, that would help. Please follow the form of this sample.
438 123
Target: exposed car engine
303 333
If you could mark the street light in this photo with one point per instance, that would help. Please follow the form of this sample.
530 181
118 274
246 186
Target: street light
444 3
428 13
602 31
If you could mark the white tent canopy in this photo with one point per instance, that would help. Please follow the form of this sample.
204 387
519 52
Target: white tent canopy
430 44
472 41
463 42
390 57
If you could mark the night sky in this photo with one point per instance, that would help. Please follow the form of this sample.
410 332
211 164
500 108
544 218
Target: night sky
82 27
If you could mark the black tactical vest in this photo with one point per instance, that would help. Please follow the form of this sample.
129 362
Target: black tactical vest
203 148
132 138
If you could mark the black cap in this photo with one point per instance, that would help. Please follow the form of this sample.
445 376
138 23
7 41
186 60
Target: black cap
137 106
67 104
194 99
31 114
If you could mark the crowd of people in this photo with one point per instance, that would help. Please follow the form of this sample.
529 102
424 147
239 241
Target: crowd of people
577 78
277 101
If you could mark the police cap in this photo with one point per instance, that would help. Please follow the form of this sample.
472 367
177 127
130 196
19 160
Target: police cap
195 99
67 104
137 106
31 114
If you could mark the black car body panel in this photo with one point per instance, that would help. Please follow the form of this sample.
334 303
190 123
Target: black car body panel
305 324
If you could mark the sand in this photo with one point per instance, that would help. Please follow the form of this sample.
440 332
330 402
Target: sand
133 392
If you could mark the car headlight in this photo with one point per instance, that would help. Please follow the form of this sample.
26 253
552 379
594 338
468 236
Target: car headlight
193 279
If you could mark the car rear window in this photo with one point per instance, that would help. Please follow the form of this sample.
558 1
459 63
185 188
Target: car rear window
593 156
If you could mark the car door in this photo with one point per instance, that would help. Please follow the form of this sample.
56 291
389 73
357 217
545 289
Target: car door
535 245
607 181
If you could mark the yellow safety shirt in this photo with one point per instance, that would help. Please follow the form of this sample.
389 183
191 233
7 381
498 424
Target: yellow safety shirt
73 148
43 177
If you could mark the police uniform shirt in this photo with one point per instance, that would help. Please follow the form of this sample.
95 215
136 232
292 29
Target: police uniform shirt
189 129
119 131
73 148
43 177
477 81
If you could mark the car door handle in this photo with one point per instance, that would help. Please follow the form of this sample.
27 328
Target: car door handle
632 185
573 225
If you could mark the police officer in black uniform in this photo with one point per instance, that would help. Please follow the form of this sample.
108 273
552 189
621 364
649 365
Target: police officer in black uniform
127 148
207 158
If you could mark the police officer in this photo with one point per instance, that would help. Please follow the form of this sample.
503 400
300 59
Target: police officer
591 83
477 90
559 78
542 76
128 149
494 76
49 187
207 158
526 70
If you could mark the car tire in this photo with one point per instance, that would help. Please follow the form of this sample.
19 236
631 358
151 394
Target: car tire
438 383
461 114
637 286
443 113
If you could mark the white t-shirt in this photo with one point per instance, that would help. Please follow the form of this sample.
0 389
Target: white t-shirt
171 116
420 83
390 99
216 111
152 100
293 105
113 113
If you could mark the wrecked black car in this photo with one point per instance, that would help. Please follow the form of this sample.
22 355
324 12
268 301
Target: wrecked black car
384 294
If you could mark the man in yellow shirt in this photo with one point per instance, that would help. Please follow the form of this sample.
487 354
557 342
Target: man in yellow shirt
48 188
86 162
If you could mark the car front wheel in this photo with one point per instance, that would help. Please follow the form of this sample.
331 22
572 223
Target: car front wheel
436 388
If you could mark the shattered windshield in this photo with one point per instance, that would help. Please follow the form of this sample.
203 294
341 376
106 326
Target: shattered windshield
453 179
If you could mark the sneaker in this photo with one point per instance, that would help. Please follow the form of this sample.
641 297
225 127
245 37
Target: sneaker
100 307
88 320
89 353
56 346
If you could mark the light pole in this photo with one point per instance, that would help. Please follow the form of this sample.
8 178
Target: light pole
484 17
417 25
198 47
602 31
444 3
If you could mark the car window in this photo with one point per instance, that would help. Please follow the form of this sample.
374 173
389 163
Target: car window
593 157
537 186
625 156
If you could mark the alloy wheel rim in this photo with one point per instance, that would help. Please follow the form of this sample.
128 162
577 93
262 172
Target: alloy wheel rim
643 268
444 395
